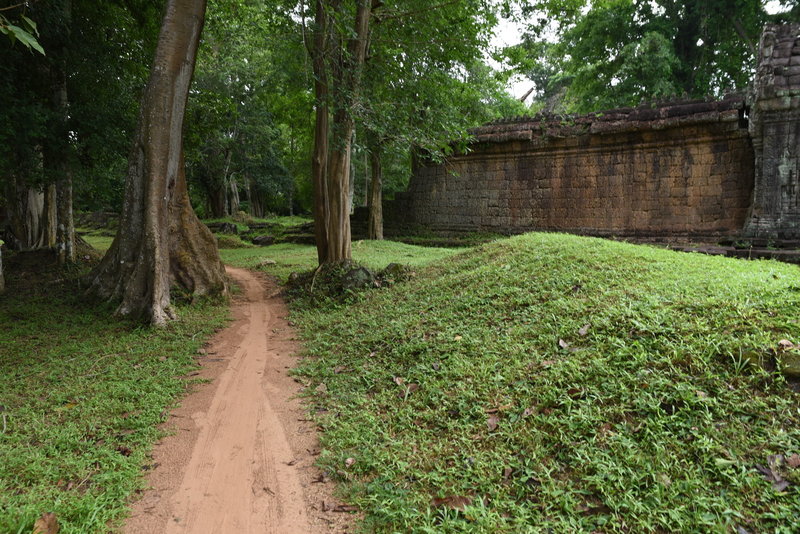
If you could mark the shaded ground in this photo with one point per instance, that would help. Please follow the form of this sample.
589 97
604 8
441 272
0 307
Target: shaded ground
242 453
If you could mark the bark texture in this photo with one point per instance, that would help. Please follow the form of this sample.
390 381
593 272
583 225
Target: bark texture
338 61
375 222
160 240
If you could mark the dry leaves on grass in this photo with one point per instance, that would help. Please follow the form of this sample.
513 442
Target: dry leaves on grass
47 524
454 502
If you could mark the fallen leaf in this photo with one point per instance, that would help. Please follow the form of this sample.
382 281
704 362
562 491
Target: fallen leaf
742 530
507 473
529 411
490 410
436 366
563 344
454 502
547 363
793 461
584 329
349 462
457 338
339 369
785 344
701 394
124 451
413 387
397 380
47 524
492 422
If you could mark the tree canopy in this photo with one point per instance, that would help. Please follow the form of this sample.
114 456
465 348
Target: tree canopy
589 55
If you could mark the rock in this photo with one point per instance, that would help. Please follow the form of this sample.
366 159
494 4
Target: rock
263 240
228 228
789 364
394 271
358 278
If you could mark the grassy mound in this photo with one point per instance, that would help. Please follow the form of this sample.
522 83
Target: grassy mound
565 384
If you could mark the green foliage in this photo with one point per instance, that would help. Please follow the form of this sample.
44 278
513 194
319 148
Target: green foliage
425 82
557 383
25 34
80 402
249 113
618 52
105 49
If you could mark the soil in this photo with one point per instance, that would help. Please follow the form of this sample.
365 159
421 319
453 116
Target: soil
241 454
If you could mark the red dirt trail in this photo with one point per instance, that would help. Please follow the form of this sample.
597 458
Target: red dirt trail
241 457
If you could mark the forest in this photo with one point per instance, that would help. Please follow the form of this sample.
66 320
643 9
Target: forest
544 382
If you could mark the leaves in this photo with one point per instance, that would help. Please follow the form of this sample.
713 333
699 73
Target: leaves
454 502
492 422
46 524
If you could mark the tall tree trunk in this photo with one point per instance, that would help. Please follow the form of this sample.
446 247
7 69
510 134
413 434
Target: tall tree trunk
216 200
26 215
256 202
59 161
332 181
49 217
235 202
160 240
375 223
319 160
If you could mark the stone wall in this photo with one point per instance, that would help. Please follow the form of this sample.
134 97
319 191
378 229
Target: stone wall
775 129
692 169
679 169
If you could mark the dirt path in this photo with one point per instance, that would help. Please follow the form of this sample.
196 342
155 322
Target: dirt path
241 458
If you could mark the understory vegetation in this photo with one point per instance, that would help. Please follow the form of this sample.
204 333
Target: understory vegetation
552 383
81 397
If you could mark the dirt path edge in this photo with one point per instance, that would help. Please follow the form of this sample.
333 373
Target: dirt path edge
241 451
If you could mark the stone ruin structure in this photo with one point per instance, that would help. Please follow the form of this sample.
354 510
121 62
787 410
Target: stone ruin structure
775 133
699 170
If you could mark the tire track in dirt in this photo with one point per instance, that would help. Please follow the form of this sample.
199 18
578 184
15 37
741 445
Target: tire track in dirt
241 459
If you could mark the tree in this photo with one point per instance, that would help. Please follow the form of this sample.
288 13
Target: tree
338 51
69 116
424 93
237 129
160 240
615 53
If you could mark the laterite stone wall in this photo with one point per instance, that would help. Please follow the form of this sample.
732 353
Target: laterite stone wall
682 169
687 169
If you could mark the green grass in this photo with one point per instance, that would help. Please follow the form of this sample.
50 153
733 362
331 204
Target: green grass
99 242
290 257
650 422
81 395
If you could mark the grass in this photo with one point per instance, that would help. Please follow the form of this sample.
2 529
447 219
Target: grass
290 257
552 383
81 397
